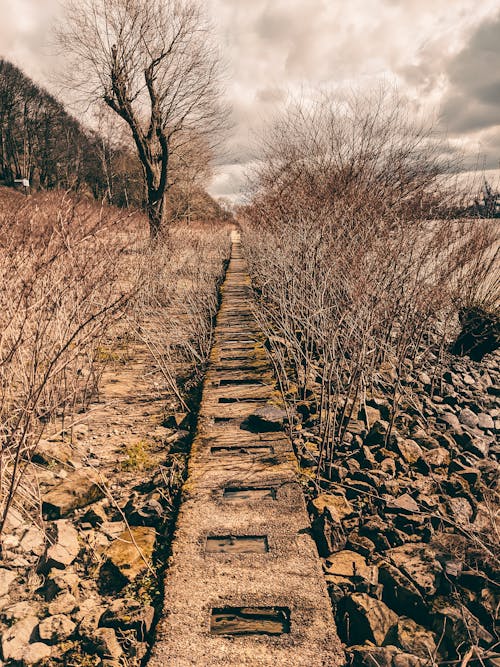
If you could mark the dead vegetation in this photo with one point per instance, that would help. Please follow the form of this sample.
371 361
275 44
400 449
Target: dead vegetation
360 278
103 339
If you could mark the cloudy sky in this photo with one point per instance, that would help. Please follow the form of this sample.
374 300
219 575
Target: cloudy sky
444 54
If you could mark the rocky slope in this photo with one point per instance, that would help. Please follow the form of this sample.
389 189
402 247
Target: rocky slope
82 587
407 523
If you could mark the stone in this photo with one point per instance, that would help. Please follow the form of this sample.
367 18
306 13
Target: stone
56 628
360 543
16 638
61 581
420 565
402 504
350 564
413 638
95 515
363 618
410 451
458 625
399 591
106 644
337 506
79 489
439 457
127 556
65 547
467 417
64 603
370 415
35 653
129 614
387 656
485 422
461 510
7 578
451 420
378 433
48 452
33 541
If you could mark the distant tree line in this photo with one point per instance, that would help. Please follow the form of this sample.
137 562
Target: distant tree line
42 142
488 204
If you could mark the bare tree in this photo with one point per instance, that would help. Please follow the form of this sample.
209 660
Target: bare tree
154 64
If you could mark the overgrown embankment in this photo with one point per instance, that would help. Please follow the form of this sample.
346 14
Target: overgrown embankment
87 534
363 288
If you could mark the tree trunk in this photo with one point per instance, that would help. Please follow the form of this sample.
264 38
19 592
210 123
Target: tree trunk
156 213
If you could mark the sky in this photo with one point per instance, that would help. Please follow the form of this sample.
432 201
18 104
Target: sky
443 54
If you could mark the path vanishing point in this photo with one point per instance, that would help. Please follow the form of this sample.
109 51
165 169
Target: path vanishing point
245 584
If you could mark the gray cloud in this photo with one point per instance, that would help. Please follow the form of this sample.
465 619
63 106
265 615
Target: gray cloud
440 53
473 100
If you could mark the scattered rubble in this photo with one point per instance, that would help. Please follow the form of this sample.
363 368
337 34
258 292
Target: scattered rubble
406 522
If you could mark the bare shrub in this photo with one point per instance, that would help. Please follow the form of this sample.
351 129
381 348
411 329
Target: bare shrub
357 281
174 309
64 283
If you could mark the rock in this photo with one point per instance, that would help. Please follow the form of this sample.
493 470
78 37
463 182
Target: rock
89 616
59 582
362 618
269 418
468 418
399 591
128 614
461 510
350 564
35 653
419 563
126 557
65 546
402 504
56 628
458 624
439 457
338 506
474 442
409 450
370 415
33 541
47 452
413 638
451 420
95 515
16 638
387 656
485 422
7 577
378 433
106 644
79 489
360 543
64 603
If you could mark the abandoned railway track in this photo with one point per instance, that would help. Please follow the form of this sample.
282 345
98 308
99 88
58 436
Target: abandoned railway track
245 584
